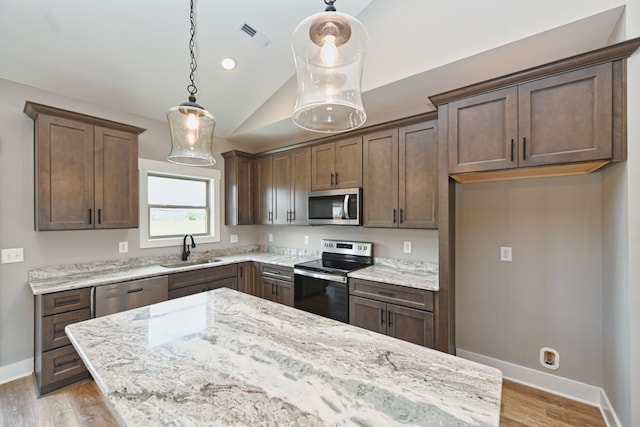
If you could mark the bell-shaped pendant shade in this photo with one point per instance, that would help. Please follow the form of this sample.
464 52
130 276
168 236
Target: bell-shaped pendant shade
328 50
191 135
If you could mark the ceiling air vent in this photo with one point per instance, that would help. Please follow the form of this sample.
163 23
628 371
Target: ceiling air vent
256 35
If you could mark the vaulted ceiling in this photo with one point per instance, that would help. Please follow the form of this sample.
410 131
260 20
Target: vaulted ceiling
132 56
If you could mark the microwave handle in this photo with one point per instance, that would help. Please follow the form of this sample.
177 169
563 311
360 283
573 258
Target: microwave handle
346 206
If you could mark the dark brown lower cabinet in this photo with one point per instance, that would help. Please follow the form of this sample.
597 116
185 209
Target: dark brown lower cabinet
382 313
206 279
56 363
246 278
277 290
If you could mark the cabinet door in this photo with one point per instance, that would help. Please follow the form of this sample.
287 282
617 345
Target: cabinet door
368 314
244 196
380 186
64 174
281 187
267 288
116 179
238 189
246 272
300 185
418 175
566 118
483 132
284 293
323 159
263 188
411 325
348 166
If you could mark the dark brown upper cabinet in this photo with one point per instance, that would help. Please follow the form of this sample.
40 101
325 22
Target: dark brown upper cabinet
238 188
400 177
337 164
86 171
263 189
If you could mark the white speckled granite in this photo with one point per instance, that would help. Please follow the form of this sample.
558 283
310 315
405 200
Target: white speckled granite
223 358
413 274
75 276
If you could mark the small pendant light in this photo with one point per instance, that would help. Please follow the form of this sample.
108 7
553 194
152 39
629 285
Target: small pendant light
328 50
191 125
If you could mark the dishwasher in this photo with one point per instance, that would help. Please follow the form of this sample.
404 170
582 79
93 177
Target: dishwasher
109 299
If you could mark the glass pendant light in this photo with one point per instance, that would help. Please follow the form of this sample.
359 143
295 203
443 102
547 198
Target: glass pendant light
191 125
328 50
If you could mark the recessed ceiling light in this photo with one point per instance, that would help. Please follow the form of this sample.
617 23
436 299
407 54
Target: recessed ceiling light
228 63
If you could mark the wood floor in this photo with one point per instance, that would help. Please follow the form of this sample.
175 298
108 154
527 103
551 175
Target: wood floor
83 405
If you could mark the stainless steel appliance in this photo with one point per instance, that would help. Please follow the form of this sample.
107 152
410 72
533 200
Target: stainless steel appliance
320 286
109 299
335 207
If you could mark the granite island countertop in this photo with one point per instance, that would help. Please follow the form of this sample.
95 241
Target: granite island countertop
225 358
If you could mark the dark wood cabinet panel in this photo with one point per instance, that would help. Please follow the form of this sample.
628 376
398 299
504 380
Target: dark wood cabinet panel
401 312
337 164
65 301
281 187
246 278
238 177
277 290
564 118
86 171
300 185
202 276
263 187
61 367
53 335
380 179
400 177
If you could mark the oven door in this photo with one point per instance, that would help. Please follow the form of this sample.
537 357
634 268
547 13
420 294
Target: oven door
322 294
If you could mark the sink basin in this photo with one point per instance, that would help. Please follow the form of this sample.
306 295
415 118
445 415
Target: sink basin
189 263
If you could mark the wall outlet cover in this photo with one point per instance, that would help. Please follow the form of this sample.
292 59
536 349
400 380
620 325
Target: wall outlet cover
12 255
549 358
306 240
506 253
270 237
234 238
123 247
407 247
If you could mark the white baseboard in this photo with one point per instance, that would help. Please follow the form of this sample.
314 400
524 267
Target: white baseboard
16 370
571 389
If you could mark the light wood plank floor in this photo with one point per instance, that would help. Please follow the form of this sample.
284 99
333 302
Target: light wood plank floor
83 405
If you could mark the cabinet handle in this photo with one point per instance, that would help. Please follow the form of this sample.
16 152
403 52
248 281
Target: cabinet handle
241 271
394 216
388 294
331 178
389 319
273 287
382 316
135 291
401 216
512 147
524 148
65 361
336 178
270 216
90 216
99 216
61 302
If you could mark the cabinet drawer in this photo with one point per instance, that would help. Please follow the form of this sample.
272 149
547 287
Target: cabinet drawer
61 364
401 295
186 291
229 282
53 335
61 302
277 272
204 275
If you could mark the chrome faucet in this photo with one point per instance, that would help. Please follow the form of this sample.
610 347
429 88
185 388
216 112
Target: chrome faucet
185 247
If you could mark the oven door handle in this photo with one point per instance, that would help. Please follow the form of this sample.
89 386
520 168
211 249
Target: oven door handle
321 276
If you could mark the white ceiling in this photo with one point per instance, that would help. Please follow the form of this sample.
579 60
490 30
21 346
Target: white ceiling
132 56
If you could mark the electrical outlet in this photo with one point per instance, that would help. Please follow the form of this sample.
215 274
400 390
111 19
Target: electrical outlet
506 253
407 247
549 358
234 238
12 255
123 247
270 237
306 240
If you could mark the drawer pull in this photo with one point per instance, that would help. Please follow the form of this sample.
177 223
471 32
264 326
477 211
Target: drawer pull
133 291
389 321
65 361
387 294
382 316
61 302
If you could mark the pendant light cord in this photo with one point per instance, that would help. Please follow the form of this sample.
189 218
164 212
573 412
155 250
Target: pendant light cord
191 88
330 6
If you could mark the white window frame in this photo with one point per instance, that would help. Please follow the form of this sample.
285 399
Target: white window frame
147 167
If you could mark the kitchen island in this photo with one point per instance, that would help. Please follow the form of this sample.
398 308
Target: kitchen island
224 358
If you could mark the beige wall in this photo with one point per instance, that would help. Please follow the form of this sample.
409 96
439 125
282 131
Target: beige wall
550 294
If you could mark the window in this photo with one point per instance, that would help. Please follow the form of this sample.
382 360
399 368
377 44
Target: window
177 200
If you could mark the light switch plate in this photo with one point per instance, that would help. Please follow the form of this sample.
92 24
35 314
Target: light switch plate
306 240
506 253
12 255
234 238
270 237
123 247
407 247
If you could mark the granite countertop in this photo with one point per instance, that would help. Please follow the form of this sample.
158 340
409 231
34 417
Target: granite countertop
422 275
229 359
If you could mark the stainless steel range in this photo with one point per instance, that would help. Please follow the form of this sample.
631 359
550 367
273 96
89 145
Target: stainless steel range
321 285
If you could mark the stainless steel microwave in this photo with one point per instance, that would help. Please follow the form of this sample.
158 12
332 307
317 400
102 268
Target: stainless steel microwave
335 207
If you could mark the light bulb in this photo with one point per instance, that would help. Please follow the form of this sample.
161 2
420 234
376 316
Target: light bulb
191 139
192 121
329 50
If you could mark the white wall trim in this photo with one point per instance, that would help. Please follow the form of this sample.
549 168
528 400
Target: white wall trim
16 370
565 387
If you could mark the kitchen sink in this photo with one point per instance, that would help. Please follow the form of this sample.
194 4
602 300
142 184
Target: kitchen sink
189 263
